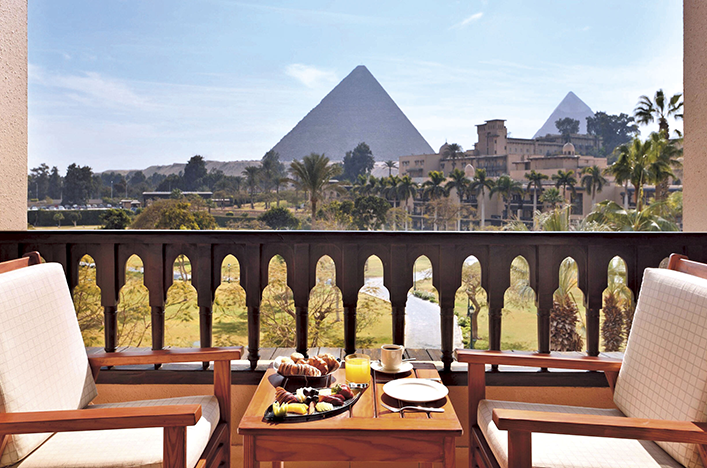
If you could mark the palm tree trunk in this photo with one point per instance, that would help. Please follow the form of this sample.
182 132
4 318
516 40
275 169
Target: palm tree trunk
483 210
626 196
407 214
535 200
313 202
435 218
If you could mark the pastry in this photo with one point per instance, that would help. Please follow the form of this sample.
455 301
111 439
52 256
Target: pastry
319 363
283 396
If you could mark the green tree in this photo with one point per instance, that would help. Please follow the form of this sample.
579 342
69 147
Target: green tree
390 165
115 218
280 218
621 169
313 175
74 217
460 183
273 172
506 188
78 184
452 152
666 156
478 187
357 162
552 196
593 181
617 218
369 212
565 179
55 184
613 130
58 218
535 182
252 177
38 183
433 189
194 173
407 189
567 127
659 110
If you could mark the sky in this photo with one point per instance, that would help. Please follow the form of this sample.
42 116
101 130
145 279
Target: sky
126 84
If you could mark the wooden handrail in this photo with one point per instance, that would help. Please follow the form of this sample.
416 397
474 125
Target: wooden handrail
398 251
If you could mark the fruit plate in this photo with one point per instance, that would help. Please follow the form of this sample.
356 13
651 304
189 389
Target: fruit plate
315 416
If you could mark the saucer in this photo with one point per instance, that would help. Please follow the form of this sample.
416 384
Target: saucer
404 367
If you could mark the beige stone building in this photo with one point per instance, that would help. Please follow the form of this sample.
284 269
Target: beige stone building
500 154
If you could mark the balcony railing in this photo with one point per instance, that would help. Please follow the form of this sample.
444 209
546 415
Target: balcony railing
398 252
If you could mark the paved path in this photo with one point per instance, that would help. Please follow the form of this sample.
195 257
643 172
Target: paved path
422 320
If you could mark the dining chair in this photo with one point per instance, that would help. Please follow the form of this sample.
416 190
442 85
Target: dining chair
47 383
659 390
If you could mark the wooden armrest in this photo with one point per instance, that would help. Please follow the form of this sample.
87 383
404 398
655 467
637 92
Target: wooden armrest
99 419
601 426
515 358
163 356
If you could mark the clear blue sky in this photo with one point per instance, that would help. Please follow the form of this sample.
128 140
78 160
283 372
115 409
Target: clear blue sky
124 84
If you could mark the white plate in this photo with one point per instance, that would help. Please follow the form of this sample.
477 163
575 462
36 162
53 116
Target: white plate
415 390
404 367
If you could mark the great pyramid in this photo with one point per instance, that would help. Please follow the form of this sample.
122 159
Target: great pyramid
357 110
571 106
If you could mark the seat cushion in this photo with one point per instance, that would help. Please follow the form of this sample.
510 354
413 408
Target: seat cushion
43 363
565 451
125 447
664 370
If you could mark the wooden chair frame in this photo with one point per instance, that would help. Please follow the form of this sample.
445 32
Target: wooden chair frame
173 419
521 424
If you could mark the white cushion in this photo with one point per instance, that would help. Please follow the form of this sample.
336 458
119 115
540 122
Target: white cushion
567 451
125 447
664 371
43 363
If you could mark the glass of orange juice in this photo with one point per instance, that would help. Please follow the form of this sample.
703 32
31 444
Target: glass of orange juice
358 370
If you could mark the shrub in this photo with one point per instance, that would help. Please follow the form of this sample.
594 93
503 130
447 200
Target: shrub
279 218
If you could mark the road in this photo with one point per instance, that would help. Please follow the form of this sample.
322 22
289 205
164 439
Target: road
422 320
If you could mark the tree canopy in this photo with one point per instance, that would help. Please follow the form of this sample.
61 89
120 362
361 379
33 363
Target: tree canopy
357 162
567 127
614 130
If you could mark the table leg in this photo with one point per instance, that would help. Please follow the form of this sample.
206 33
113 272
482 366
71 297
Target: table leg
425 465
449 452
278 464
249 452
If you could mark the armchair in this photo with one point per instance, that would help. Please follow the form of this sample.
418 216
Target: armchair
659 389
47 383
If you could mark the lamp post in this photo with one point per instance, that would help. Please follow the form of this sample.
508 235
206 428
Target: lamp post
228 272
469 315
111 191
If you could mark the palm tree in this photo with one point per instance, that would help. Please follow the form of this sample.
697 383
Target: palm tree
313 175
665 156
507 187
535 180
565 313
621 170
252 177
452 152
460 183
433 189
593 181
552 196
564 179
647 219
390 165
478 187
406 189
659 110
617 308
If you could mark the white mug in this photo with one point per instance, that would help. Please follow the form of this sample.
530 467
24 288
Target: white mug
391 356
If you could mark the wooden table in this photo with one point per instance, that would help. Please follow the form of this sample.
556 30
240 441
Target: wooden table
368 432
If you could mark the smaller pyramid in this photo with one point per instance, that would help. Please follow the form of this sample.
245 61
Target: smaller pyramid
571 106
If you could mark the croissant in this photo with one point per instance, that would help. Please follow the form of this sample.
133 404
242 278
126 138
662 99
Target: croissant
283 396
330 360
299 369
319 363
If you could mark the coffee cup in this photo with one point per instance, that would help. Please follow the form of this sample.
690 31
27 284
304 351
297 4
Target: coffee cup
391 356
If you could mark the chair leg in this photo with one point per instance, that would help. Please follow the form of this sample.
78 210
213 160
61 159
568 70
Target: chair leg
175 447
519 450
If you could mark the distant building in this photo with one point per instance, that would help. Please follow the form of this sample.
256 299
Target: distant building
500 154
149 197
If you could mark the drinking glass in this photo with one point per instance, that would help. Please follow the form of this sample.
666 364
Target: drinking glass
358 370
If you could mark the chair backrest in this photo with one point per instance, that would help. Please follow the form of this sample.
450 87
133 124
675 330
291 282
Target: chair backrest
664 371
43 362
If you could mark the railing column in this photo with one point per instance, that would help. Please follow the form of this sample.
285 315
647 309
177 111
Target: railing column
495 320
205 326
399 324
157 327
253 336
302 327
110 327
350 328
447 328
